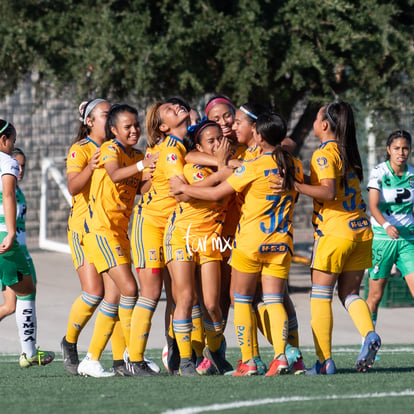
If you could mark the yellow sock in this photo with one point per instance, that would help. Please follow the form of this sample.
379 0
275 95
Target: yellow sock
214 335
118 341
293 332
243 324
263 322
255 339
278 321
322 320
80 313
359 312
197 334
126 307
104 325
182 332
140 327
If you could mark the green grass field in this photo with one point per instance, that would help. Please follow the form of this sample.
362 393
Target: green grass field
387 388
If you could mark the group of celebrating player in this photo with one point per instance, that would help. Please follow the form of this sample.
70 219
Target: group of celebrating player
213 225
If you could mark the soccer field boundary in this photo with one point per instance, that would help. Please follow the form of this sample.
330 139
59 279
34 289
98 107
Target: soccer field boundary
286 400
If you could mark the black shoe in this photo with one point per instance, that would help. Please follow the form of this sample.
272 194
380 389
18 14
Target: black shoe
221 364
173 359
187 368
118 368
138 369
70 356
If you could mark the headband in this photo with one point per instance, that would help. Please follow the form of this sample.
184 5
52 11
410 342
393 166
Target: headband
207 124
217 101
5 127
328 115
242 108
89 107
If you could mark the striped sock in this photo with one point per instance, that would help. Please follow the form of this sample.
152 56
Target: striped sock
214 335
182 330
359 312
80 313
293 331
140 327
125 310
322 320
243 324
118 341
104 325
197 334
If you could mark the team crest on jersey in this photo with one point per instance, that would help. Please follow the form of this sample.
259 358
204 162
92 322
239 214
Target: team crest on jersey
152 255
112 148
198 176
119 251
73 155
322 161
172 158
179 255
411 182
239 172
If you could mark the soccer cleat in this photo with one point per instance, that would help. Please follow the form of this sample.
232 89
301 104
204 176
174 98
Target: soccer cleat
246 369
138 369
187 368
222 366
261 366
118 368
205 367
152 365
292 354
173 358
279 366
323 368
70 356
91 368
298 367
368 353
39 358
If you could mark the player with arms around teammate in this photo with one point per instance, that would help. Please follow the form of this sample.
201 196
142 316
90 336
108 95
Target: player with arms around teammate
14 269
264 240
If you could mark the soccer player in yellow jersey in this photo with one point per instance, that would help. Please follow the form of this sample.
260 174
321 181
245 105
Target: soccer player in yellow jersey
263 243
343 235
113 189
82 160
166 127
193 237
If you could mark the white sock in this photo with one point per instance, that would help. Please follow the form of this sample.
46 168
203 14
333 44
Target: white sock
26 325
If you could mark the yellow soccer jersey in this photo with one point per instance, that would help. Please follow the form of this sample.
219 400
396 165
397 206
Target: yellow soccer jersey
265 227
156 202
110 204
201 215
251 153
345 215
78 158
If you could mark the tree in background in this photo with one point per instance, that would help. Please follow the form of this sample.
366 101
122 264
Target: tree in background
277 52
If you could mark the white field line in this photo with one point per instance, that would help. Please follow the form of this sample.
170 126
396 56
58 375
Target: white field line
284 400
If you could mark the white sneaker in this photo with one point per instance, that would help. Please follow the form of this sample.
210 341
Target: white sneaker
90 368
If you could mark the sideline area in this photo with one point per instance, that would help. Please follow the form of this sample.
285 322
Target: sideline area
58 286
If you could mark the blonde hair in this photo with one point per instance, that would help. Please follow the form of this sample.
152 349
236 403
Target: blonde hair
153 122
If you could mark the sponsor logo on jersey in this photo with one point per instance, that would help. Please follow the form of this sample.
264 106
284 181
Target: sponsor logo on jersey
358 224
172 158
322 161
73 155
273 248
198 176
112 148
152 255
239 172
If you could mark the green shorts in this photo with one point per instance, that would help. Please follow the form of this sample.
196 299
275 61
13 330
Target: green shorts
387 252
13 264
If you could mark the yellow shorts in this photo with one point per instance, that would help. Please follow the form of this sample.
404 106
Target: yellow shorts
188 245
244 264
106 252
76 248
146 243
335 255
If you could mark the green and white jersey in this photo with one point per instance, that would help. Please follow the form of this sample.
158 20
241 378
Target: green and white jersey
21 217
8 165
396 199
